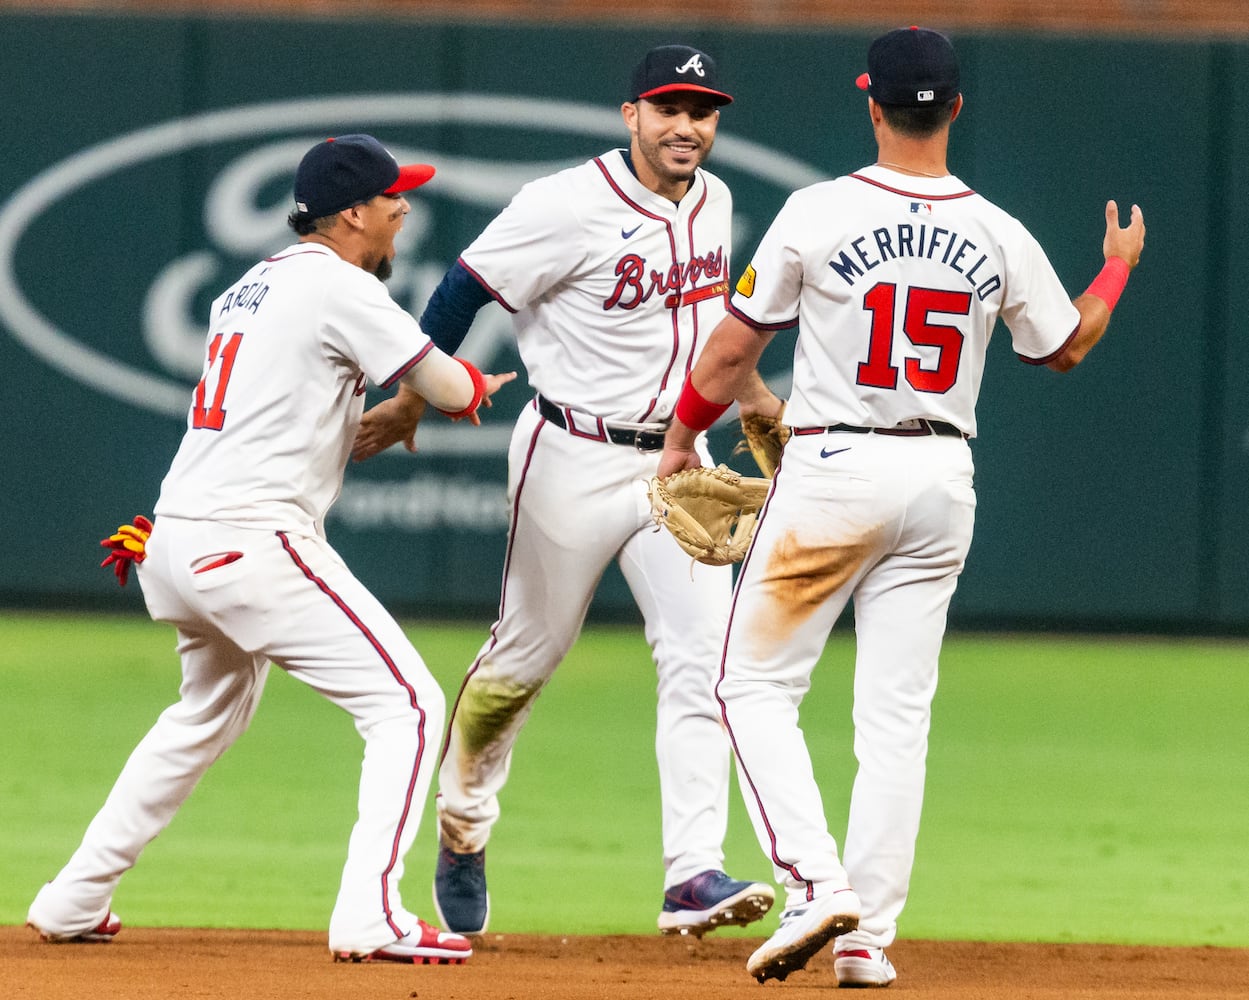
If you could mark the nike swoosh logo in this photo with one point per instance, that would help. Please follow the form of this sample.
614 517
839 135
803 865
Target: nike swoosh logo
625 234
825 453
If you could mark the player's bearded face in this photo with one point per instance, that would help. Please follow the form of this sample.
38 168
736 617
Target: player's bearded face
673 134
386 219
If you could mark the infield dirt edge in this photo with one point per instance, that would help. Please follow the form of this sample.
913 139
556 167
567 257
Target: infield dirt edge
158 963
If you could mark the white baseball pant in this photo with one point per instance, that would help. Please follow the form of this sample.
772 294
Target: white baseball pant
576 505
888 522
286 598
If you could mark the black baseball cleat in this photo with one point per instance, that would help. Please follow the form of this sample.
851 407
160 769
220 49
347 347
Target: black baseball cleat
711 899
460 895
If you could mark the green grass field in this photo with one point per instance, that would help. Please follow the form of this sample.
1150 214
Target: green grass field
1079 789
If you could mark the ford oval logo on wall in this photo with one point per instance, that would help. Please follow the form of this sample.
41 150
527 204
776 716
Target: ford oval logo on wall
144 345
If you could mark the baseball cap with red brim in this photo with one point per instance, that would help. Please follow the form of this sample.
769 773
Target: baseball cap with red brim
671 69
347 170
911 68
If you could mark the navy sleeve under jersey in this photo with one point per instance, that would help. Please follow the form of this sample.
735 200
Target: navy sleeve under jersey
452 308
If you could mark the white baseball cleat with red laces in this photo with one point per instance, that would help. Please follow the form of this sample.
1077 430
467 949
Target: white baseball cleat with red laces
863 967
426 945
104 931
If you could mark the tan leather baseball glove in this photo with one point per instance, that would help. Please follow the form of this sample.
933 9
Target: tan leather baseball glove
764 437
710 512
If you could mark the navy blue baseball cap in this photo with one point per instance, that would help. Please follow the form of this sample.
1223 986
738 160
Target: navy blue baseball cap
912 68
347 170
670 69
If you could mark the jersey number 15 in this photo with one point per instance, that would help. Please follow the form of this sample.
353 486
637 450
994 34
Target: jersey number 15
881 301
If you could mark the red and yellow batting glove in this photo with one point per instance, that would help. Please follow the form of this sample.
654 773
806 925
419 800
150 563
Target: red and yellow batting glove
128 545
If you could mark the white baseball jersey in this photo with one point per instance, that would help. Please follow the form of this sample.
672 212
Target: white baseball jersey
290 347
614 290
587 258
238 563
896 283
925 266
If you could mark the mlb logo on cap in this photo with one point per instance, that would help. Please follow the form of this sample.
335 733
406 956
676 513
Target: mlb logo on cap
911 68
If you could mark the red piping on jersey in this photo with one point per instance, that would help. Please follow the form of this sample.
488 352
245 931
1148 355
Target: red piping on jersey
1050 357
486 285
297 253
611 182
672 246
420 356
913 194
507 564
682 298
674 306
749 321
395 672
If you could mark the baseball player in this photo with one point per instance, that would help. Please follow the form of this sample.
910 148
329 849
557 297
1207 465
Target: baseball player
238 561
896 275
615 271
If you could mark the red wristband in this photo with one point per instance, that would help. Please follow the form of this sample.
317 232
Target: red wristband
696 412
479 391
1110 281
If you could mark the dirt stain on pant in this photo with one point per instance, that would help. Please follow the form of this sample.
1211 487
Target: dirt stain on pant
488 708
801 576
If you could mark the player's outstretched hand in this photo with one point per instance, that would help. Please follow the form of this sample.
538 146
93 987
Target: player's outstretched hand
1126 242
493 384
389 422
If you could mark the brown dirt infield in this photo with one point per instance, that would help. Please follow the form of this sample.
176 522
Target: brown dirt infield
160 963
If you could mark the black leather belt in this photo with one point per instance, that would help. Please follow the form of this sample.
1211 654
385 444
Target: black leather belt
629 436
923 428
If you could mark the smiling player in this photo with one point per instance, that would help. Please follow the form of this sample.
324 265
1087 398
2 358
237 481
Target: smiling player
615 272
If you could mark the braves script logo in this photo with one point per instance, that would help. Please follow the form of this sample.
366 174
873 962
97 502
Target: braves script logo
149 350
635 286
694 63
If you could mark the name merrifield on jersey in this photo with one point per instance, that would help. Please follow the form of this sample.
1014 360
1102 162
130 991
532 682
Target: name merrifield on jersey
908 240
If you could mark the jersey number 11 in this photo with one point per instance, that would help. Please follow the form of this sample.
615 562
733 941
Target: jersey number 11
220 365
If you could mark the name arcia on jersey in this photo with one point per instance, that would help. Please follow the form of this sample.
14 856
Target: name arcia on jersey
633 288
247 296
908 240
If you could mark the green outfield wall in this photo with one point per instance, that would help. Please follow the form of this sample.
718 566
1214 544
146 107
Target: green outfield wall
148 163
